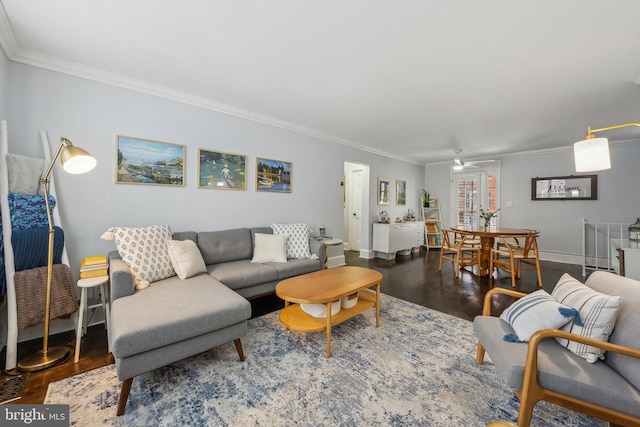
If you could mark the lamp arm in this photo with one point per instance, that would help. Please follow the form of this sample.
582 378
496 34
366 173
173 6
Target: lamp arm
590 131
64 143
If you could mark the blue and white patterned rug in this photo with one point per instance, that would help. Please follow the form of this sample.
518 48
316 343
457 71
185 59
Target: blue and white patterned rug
418 368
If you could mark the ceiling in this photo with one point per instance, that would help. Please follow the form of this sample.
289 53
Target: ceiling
414 79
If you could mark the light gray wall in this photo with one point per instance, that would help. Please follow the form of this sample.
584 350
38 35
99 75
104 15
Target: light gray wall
557 220
4 64
90 114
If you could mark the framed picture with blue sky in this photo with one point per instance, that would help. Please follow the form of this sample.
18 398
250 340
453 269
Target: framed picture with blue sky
148 162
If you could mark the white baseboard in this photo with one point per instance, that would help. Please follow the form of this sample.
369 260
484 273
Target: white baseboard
365 253
563 258
336 261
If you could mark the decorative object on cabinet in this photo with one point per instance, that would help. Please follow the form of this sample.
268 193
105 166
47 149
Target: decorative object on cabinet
391 239
634 231
592 154
572 187
143 161
273 175
74 160
401 192
432 224
221 171
383 191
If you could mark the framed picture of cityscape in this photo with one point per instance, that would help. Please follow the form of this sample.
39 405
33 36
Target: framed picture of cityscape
143 161
221 171
273 175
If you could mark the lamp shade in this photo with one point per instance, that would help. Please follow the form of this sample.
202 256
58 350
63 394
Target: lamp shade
592 155
76 160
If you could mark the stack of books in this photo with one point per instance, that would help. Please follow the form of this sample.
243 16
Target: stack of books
93 266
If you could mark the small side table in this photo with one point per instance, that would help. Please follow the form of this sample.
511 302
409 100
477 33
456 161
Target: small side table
329 243
85 284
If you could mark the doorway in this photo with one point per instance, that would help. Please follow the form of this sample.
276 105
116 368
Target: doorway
356 208
472 192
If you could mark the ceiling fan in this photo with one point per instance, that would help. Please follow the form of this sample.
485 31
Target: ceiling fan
459 164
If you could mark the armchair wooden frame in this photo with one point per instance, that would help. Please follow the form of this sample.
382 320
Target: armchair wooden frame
532 392
519 254
463 250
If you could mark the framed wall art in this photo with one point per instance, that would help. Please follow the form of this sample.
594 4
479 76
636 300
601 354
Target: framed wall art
384 190
221 171
143 161
572 187
273 175
401 192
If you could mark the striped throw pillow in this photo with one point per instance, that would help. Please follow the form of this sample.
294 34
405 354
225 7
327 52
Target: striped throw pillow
598 313
536 311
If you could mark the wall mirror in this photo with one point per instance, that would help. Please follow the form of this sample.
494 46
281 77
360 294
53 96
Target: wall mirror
572 187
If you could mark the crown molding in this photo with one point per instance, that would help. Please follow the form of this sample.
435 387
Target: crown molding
554 150
90 73
7 39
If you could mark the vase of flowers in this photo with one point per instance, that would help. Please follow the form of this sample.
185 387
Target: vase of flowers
487 215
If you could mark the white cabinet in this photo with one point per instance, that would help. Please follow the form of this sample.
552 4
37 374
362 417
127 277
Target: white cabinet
625 258
403 238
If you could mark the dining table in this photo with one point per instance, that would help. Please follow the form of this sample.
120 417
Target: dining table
487 237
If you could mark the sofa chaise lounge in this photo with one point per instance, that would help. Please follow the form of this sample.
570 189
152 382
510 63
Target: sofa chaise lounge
173 319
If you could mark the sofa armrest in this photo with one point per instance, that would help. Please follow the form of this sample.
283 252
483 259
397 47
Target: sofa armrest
486 308
318 248
120 277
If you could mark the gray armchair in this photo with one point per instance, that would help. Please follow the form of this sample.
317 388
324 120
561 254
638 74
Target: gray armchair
544 370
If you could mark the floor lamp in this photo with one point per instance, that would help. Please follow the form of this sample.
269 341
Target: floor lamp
76 161
592 154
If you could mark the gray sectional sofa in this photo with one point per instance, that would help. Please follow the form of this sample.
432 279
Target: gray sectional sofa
174 319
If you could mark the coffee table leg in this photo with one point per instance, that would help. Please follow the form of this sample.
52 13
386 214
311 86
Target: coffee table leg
378 305
328 329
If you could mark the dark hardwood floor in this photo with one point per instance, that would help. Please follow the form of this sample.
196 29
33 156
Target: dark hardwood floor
413 278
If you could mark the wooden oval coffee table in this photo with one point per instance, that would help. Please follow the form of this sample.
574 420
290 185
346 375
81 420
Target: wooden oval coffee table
325 287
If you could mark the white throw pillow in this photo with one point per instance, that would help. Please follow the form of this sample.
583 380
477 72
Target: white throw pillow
270 248
533 312
598 312
298 241
144 250
186 258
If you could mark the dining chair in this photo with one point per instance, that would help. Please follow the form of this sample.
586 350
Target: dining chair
461 248
513 254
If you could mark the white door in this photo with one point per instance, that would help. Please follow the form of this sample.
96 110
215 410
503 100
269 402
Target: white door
472 192
467 193
355 214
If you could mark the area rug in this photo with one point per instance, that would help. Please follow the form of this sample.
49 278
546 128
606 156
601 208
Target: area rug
417 368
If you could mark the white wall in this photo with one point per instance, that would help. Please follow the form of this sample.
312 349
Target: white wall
90 114
557 220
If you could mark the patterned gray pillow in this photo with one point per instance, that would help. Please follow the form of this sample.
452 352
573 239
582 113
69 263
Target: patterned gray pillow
144 250
298 240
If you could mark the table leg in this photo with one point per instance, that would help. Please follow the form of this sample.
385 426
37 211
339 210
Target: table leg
329 329
79 329
107 315
485 255
378 305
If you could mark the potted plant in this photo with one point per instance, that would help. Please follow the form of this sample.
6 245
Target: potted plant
425 198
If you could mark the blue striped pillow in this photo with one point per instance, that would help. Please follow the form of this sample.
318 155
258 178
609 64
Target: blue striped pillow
597 310
536 311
